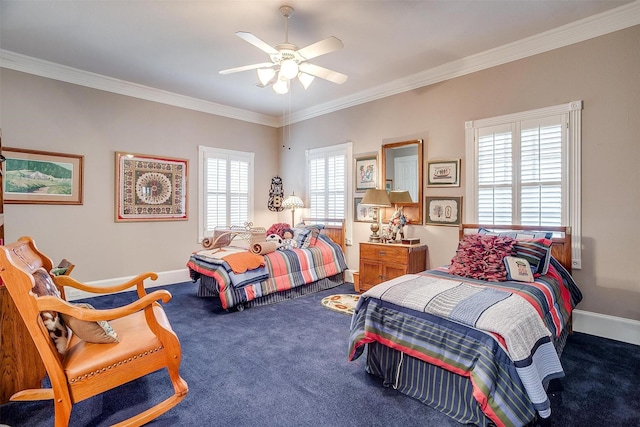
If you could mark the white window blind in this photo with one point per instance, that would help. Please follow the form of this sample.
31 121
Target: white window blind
525 169
226 183
328 181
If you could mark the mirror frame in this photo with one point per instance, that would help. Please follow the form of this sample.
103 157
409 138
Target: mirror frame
413 211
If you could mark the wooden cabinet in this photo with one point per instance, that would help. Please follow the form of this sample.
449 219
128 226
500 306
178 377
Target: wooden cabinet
380 262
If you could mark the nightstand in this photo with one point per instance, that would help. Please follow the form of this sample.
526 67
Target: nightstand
384 261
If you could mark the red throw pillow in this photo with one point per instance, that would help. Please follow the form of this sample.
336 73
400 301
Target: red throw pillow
481 257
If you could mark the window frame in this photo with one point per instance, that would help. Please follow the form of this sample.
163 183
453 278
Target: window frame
204 153
345 148
571 173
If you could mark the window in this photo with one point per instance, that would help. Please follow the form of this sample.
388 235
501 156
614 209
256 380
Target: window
226 183
526 169
328 172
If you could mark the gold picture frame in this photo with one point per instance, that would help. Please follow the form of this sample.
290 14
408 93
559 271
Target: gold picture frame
150 188
443 173
443 211
42 177
366 171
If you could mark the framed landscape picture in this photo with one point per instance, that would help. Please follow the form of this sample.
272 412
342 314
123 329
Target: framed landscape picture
150 188
42 177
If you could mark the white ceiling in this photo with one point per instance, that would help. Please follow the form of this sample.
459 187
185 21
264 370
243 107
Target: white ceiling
175 48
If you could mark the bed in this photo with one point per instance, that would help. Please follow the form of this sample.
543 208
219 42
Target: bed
284 274
483 352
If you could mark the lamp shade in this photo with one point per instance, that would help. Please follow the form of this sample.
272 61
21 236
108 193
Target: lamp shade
375 197
292 202
266 75
400 196
305 79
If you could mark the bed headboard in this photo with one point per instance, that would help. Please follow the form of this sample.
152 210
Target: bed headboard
333 228
560 249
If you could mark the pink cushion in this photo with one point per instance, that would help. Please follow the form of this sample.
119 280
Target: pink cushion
481 257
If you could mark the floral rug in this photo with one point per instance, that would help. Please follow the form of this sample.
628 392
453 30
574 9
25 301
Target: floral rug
342 303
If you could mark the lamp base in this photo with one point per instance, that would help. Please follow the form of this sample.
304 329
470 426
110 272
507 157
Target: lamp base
375 227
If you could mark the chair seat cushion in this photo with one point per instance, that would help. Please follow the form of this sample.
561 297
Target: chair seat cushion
136 341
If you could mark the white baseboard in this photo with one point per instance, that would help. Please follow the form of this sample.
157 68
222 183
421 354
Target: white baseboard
603 325
164 278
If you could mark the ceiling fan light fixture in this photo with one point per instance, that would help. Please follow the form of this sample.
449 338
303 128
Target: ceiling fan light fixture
305 79
281 86
289 68
265 75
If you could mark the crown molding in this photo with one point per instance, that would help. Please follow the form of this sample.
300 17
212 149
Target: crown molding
39 67
607 22
594 26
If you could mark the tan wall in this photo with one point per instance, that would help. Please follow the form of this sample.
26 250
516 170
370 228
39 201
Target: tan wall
603 72
44 114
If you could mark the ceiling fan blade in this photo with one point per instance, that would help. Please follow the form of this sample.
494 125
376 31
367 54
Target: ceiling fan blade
323 73
248 37
320 48
247 67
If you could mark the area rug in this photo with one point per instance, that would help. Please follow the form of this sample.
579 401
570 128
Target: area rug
342 303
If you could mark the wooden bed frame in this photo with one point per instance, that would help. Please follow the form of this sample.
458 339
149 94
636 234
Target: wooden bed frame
560 249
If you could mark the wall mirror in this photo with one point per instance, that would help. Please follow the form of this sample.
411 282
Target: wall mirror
402 169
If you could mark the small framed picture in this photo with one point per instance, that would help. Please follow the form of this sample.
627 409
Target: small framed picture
388 185
444 210
362 213
443 173
366 171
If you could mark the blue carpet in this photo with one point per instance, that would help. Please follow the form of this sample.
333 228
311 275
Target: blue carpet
286 365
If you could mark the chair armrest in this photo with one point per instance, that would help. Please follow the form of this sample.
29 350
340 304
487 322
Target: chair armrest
137 281
51 303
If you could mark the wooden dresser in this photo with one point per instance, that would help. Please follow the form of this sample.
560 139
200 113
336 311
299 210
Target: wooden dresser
380 262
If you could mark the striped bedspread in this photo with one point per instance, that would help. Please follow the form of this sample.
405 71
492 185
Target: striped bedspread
500 335
286 270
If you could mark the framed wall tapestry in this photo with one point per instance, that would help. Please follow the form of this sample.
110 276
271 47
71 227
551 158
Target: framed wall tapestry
444 210
150 188
443 173
42 177
366 171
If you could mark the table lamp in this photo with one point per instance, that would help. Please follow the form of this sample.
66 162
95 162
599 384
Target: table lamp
292 202
377 199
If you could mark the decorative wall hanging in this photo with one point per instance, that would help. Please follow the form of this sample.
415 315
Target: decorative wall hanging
42 177
150 188
276 195
362 213
443 173
366 170
444 210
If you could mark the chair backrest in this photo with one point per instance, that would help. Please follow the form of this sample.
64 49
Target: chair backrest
19 261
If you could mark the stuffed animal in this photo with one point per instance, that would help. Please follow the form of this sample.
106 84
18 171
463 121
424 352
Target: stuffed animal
288 242
275 238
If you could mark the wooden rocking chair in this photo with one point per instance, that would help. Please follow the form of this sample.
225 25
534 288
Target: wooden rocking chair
146 341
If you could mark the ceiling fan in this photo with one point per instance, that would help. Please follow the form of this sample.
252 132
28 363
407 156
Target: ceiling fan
288 61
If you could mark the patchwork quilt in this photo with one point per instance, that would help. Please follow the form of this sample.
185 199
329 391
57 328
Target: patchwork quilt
499 334
282 270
